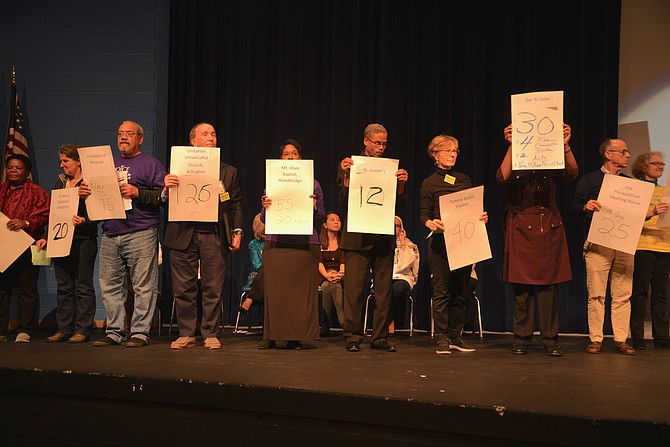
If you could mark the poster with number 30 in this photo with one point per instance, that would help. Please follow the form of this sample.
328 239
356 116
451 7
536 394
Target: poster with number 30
537 131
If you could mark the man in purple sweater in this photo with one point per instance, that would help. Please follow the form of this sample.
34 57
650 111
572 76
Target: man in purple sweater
130 245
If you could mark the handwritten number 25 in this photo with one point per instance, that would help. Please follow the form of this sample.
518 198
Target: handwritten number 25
619 232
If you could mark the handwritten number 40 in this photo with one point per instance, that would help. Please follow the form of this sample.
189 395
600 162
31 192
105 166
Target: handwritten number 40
468 231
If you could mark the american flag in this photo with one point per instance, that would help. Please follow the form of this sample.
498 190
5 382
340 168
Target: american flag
16 142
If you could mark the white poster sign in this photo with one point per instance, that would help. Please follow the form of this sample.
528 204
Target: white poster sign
537 131
619 222
196 199
97 166
289 183
372 193
464 234
64 205
14 243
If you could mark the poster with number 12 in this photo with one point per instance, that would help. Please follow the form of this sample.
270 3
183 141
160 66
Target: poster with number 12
372 191
537 131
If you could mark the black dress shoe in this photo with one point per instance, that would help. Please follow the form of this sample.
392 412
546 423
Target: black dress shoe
553 351
352 346
293 345
519 349
384 346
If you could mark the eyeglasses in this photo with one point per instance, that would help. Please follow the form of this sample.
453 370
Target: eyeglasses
378 143
449 152
658 164
622 152
127 134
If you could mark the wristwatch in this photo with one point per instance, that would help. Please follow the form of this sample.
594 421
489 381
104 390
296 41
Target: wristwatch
240 232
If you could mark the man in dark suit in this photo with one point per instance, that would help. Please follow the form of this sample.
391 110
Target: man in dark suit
364 251
200 249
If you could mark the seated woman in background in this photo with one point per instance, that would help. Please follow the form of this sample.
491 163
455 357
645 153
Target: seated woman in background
405 274
74 273
331 267
291 282
255 278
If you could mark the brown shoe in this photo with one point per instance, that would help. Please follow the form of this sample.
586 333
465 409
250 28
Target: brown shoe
594 347
623 348
183 343
55 338
212 343
78 338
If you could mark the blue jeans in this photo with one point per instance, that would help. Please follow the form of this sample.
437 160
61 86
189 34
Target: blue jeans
135 254
76 294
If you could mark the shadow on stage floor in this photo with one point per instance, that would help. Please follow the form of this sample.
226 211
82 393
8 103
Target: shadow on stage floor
67 394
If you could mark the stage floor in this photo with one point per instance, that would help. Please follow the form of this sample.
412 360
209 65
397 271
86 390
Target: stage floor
489 393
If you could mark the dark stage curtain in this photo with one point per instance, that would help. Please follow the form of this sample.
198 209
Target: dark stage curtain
320 70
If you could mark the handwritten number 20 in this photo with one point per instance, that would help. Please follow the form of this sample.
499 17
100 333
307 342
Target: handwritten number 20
61 230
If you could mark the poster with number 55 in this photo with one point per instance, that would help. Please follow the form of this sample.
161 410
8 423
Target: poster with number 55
372 193
537 131
465 235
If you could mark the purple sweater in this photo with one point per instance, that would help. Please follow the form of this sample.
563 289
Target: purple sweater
147 174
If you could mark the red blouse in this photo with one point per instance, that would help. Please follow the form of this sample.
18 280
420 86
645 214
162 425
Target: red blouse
27 202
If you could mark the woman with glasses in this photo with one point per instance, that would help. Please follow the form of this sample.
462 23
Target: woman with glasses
450 288
74 273
536 257
652 260
27 207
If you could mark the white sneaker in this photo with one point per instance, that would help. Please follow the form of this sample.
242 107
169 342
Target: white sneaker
22 338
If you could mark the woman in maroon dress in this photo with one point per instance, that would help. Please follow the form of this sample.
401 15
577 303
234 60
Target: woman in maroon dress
536 251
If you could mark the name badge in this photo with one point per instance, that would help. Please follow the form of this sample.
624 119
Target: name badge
449 179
